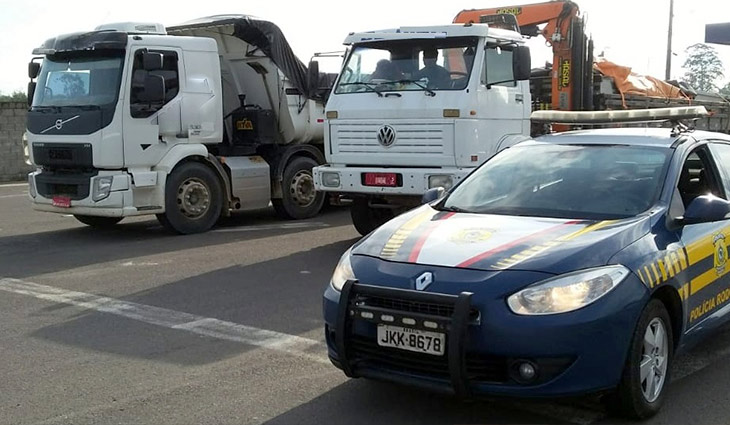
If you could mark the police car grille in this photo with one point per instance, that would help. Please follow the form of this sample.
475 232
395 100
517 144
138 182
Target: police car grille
479 368
401 305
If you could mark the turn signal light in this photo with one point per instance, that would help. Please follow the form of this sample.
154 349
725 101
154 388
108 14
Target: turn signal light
331 115
451 113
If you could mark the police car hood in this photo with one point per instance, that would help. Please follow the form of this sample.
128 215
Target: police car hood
500 242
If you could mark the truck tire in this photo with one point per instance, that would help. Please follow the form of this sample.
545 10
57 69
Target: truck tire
193 199
367 219
98 222
299 198
646 373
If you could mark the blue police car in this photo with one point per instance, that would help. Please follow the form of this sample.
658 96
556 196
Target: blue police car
573 263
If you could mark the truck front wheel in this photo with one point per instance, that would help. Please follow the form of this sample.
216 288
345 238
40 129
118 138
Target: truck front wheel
97 222
365 218
193 199
299 198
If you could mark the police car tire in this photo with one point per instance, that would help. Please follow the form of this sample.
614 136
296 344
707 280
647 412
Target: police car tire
366 219
175 220
629 400
98 222
287 207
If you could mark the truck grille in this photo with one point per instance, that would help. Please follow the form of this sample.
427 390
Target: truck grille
423 139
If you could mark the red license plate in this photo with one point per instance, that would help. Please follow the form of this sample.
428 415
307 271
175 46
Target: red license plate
381 179
62 201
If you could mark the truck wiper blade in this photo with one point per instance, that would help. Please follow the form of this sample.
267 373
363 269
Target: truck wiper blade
419 84
84 107
45 109
371 86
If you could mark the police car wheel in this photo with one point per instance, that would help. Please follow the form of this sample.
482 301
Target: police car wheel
98 222
646 373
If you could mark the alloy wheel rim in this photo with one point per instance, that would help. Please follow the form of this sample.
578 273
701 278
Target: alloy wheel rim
653 365
193 198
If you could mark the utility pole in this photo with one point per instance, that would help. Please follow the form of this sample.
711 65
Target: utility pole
668 74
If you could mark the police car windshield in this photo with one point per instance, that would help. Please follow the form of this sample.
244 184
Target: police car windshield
565 181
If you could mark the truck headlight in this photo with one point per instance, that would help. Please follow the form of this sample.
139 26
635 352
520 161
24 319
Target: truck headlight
343 272
330 179
567 292
26 149
102 187
445 181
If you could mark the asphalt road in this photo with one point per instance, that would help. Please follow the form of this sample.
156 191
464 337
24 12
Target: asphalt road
136 326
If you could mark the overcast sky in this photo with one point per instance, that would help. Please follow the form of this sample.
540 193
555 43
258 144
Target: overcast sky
629 32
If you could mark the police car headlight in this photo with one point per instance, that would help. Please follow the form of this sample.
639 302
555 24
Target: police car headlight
567 292
343 271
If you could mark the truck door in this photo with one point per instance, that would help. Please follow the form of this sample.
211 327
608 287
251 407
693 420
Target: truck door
502 100
145 123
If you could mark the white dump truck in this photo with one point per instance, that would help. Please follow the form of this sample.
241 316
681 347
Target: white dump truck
188 122
420 107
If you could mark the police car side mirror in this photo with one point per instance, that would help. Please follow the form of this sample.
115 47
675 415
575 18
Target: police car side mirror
705 209
432 194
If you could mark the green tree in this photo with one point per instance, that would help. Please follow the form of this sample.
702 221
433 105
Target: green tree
725 91
16 96
703 67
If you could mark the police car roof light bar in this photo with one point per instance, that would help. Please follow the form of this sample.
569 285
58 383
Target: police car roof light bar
608 117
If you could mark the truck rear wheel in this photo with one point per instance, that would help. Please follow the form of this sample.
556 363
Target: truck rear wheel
98 222
299 198
365 218
193 199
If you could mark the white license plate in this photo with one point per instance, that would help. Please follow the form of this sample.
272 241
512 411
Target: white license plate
412 339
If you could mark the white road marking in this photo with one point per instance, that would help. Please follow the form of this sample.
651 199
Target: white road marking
13 185
17 195
284 226
206 326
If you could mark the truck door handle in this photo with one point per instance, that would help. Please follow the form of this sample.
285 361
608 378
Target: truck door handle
519 98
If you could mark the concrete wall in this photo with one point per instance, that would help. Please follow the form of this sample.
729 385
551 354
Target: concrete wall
12 125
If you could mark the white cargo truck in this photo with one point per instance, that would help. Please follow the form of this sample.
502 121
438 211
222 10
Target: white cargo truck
420 107
188 123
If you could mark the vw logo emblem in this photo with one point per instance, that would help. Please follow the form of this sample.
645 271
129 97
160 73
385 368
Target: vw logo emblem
59 124
423 281
386 136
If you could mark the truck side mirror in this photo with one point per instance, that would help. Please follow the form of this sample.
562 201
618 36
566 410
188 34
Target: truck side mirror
31 92
312 79
521 63
34 68
154 89
151 61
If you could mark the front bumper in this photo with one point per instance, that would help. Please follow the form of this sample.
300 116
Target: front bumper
79 188
575 353
411 181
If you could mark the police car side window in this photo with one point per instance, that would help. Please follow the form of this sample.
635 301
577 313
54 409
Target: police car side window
721 153
697 177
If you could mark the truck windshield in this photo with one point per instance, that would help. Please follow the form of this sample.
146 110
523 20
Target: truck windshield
408 65
78 81
565 181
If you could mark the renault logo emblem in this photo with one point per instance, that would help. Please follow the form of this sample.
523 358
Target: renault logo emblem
386 136
423 281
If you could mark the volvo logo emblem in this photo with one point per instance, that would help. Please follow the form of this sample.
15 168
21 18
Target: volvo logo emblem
386 136
423 281
59 124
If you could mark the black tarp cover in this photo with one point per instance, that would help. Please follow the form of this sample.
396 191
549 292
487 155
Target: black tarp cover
717 33
269 38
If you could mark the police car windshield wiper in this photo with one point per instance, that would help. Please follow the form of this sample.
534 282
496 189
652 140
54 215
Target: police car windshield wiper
418 84
452 208
371 86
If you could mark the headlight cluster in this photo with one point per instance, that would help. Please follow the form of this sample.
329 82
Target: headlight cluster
343 271
102 187
26 149
567 292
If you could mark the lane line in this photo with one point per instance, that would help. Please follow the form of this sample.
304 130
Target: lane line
207 326
284 226
13 185
17 195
